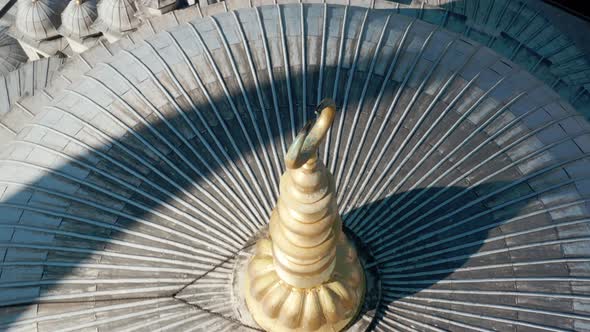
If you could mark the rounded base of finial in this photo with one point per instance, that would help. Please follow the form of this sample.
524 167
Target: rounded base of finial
279 307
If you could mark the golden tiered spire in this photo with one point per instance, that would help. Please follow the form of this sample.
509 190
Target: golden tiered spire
307 276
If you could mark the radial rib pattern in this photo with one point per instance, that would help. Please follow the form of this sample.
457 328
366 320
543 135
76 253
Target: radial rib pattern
465 177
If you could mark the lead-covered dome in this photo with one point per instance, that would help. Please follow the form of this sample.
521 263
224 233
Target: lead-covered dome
133 193
78 18
11 53
117 16
39 19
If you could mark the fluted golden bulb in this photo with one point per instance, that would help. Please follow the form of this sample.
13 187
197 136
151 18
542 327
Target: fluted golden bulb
306 276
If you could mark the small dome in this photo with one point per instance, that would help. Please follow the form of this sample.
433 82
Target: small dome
39 19
11 54
77 19
117 16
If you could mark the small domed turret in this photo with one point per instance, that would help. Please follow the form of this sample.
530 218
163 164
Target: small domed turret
77 19
11 54
39 19
116 17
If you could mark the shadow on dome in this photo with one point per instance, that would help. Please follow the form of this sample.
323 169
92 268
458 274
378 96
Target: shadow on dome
129 212
453 238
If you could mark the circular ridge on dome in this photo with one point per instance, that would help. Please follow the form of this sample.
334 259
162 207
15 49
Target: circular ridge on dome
132 192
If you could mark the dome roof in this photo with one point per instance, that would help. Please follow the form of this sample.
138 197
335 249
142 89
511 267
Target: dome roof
11 53
133 193
526 32
77 19
39 19
117 16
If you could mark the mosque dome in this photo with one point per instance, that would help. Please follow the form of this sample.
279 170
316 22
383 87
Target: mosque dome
117 16
39 19
77 19
11 54
128 199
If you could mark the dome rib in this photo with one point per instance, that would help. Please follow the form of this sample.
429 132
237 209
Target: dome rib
259 211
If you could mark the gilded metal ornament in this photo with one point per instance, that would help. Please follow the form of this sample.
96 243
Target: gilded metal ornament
306 276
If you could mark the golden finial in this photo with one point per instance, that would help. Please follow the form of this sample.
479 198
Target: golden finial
307 276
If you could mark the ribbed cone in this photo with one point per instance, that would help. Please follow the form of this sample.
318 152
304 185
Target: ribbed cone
305 226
